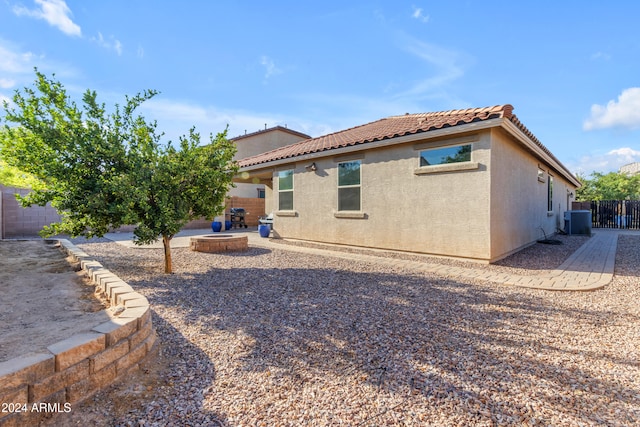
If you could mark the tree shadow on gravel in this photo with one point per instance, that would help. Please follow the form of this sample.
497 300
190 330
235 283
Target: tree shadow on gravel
474 351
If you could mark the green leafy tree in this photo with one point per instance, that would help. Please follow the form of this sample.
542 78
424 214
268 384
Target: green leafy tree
103 170
611 186
13 177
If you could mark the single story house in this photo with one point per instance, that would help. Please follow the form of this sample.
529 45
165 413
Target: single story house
253 143
251 195
472 183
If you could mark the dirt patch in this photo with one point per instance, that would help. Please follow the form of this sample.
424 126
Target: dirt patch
45 298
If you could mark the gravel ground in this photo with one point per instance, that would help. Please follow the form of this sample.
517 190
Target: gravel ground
530 261
273 337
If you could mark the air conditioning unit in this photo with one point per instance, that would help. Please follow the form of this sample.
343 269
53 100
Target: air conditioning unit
577 222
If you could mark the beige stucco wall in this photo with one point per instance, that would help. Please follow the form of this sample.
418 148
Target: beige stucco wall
257 143
486 211
444 213
264 141
519 199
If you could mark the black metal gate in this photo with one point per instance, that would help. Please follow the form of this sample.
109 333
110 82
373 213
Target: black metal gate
616 214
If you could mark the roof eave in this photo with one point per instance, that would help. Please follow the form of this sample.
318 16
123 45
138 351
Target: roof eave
504 123
419 136
517 133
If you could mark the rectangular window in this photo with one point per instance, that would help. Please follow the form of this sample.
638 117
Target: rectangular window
550 194
349 186
540 175
285 190
444 155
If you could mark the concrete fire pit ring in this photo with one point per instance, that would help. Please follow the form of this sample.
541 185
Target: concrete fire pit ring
213 243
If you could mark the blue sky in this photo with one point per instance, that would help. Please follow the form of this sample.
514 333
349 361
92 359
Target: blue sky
571 69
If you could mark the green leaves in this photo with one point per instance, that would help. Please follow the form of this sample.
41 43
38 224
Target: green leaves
611 186
102 170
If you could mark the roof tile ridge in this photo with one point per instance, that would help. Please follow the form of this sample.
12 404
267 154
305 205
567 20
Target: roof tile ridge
305 141
514 119
276 127
505 109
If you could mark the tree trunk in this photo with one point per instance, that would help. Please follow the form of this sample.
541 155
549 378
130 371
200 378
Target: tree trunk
166 241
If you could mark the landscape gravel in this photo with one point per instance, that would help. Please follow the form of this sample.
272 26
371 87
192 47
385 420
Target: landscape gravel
272 337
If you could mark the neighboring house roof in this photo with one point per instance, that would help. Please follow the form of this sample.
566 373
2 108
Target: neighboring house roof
398 126
272 129
631 168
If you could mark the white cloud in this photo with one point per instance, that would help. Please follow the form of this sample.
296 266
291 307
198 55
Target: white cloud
55 12
140 52
14 61
111 44
419 15
16 66
175 118
7 83
625 155
118 47
625 112
447 65
270 67
607 162
600 56
3 99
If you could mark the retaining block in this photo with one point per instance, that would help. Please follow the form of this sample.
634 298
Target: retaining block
117 329
77 367
72 350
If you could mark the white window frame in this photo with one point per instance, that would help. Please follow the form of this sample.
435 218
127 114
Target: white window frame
288 190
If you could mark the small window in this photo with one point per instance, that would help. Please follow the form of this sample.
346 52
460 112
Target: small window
444 155
261 193
550 194
540 175
285 190
349 186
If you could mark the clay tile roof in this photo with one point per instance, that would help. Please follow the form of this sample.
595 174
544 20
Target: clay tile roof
390 127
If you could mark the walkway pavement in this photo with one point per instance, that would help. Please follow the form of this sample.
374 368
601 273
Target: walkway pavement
590 267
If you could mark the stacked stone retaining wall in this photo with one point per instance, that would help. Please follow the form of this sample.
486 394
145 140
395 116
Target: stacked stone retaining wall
34 385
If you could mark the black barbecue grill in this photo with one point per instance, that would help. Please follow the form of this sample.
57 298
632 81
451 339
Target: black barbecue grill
237 217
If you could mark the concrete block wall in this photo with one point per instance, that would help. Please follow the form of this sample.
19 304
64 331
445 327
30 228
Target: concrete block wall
254 208
18 221
75 368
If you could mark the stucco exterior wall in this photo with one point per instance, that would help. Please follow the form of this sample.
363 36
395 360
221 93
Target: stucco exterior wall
261 142
245 190
519 209
257 143
444 213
